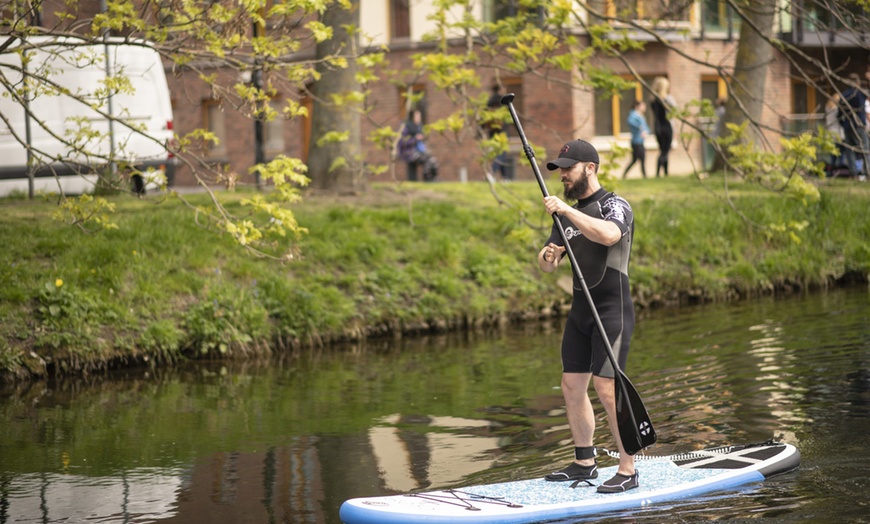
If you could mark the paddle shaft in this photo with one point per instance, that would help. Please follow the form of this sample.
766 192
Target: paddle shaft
617 372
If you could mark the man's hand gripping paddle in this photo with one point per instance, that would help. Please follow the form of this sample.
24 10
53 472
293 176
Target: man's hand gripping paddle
635 428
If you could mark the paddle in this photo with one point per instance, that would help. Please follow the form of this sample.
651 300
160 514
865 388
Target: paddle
635 428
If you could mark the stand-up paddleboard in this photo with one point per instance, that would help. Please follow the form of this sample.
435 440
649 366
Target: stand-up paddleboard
661 479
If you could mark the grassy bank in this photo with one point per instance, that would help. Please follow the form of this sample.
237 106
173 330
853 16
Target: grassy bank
397 260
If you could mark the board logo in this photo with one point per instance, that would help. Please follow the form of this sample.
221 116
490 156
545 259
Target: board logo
644 428
374 503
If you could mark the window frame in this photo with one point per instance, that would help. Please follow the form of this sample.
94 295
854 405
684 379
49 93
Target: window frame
212 150
640 8
617 117
273 131
727 21
395 23
495 10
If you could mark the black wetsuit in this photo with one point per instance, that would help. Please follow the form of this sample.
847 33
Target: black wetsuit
605 270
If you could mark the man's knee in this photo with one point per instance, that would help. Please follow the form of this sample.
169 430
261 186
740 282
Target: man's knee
604 389
575 383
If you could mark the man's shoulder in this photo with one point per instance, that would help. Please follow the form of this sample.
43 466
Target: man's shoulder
610 200
614 208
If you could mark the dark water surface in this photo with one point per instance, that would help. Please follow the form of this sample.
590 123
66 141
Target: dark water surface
290 439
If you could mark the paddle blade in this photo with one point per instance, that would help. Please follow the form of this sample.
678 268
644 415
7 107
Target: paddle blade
635 427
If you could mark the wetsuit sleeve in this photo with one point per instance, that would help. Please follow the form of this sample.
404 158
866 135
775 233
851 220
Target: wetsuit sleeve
555 237
616 209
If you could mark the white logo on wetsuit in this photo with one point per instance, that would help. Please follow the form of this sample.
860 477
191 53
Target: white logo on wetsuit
570 233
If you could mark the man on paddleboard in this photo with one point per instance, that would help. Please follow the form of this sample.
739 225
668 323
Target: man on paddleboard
599 229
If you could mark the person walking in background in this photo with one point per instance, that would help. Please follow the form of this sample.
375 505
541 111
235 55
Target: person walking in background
412 149
833 126
599 229
853 118
660 104
639 130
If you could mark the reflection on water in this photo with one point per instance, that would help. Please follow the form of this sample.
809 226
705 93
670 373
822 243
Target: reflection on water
289 440
446 457
49 497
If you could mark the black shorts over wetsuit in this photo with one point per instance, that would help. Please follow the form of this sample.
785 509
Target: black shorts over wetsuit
605 270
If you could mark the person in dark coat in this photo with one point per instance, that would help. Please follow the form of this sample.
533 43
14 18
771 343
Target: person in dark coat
660 104
413 151
853 118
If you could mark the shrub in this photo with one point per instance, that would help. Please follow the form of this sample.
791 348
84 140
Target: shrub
229 320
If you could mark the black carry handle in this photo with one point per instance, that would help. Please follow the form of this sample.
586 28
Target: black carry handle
634 436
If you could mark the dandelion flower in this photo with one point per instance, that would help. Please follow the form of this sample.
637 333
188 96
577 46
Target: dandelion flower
58 283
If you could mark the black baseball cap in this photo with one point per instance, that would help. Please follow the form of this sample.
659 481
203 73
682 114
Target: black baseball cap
573 152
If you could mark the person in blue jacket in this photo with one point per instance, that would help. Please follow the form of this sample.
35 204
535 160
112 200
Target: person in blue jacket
639 130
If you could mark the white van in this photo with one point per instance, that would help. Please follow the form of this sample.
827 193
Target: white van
73 107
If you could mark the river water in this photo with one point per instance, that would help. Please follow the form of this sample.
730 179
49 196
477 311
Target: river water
289 439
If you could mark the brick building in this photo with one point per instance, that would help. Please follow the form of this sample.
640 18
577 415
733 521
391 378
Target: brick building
553 109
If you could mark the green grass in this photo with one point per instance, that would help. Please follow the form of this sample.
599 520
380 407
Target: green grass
398 259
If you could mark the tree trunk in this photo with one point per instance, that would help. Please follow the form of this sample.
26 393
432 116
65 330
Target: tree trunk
326 116
746 86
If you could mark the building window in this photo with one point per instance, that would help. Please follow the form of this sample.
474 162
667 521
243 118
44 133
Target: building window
213 121
611 111
811 16
713 88
495 10
807 108
718 17
803 99
400 19
18 12
673 10
273 132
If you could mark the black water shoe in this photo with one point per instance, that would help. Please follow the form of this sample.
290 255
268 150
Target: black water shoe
619 483
574 471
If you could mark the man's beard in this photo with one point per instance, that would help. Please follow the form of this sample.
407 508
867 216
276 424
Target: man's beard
576 190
